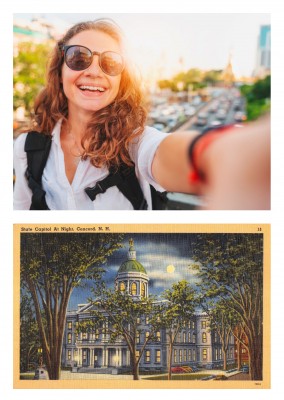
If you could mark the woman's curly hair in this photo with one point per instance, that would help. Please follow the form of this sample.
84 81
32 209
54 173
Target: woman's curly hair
110 129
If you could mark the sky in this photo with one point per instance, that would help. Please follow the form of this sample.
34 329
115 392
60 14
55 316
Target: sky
158 253
166 257
163 44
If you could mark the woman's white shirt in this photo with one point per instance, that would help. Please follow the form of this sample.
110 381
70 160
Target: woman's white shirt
61 195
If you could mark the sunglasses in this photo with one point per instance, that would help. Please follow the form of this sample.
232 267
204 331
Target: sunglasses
79 58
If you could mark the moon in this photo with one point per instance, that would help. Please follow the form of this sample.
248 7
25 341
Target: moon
170 269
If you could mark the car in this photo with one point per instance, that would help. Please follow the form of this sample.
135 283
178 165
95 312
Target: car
221 114
177 370
159 126
187 369
215 123
202 119
189 111
213 107
245 369
240 116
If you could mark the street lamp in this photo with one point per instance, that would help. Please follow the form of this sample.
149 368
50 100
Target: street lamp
39 352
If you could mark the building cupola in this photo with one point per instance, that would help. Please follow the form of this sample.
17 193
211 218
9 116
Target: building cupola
132 277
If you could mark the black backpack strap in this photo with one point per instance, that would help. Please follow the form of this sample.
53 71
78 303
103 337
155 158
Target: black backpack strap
37 147
126 180
159 199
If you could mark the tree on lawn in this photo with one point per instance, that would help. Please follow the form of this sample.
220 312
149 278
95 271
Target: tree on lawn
177 311
29 334
230 268
119 314
52 265
221 321
241 343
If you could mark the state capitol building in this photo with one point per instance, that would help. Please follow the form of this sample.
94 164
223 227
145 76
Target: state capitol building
196 344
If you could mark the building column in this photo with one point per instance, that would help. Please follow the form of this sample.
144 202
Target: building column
91 357
127 357
119 357
80 356
105 358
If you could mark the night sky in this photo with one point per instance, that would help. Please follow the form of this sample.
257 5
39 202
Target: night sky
155 252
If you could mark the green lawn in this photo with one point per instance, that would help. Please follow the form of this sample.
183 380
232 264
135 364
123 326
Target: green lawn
27 376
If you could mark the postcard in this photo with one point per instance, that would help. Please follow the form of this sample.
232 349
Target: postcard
142 306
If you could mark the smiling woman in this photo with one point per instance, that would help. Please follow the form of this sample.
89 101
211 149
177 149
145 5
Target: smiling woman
90 148
101 152
101 155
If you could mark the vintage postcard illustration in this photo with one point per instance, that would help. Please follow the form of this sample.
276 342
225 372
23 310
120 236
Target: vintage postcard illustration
142 306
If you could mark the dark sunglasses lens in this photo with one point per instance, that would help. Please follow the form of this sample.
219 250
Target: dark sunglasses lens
78 58
111 63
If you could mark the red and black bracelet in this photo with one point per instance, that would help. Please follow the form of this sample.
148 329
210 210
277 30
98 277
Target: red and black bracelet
197 147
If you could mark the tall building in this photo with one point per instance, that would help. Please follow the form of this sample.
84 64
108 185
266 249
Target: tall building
228 76
263 58
196 344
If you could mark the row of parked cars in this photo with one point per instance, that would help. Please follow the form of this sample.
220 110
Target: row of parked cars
165 117
217 112
184 369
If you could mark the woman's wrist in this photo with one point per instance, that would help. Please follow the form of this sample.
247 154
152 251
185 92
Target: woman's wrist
200 150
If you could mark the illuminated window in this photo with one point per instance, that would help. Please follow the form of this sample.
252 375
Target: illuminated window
180 355
203 324
157 356
204 354
189 354
193 355
84 335
147 334
193 338
189 337
143 289
158 336
192 325
69 338
84 355
69 354
220 354
175 355
216 354
137 353
137 337
204 337
69 324
184 337
147 320
184 354
147 356
138 320
133 289
122 287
